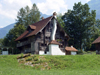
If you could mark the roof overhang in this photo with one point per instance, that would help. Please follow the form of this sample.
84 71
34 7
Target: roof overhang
71 49
32 26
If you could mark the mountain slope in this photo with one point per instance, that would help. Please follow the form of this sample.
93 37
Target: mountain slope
5 30
44 15
95 5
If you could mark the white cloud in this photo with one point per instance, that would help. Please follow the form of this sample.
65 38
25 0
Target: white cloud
1 26
9 8
88 0
49 6
0 5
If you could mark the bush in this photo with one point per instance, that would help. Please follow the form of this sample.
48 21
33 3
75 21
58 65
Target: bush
22 55
34 56
88 51
35 59
35 62
29 59
80 52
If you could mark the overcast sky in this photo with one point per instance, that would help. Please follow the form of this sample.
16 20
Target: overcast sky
9 8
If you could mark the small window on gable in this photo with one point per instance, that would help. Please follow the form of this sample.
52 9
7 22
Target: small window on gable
30 30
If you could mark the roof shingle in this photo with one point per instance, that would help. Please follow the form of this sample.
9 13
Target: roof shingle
32 26
71 49
22 35
36 26
54 42
96 41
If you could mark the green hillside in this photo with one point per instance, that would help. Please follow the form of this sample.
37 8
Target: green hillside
59 65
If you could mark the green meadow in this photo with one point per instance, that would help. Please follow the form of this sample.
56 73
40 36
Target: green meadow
88 64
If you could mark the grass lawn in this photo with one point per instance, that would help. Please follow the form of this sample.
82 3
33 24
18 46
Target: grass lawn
60 65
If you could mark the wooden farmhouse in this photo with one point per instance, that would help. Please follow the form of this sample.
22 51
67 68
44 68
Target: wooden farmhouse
97 45
44 37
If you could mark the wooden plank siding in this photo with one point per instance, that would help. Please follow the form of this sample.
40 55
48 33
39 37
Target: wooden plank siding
41 41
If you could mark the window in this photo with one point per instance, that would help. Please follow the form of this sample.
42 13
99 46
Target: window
39 35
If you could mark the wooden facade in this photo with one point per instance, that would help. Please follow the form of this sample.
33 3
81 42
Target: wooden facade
97 48
68 52
97 45
40 41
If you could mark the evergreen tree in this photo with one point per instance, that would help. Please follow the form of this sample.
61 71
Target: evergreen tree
60 21
27 16
34 15
20 17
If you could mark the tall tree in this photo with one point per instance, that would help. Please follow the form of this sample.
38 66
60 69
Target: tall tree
60 21
78 22
34 15
20 17
27 16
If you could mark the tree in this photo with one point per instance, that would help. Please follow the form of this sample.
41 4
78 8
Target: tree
1 40
27 16
20 17
78 22
9 40
60 21
34 15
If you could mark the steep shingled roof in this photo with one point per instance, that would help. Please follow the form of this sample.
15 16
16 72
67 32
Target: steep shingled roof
36 26
32 26
96 41
71 49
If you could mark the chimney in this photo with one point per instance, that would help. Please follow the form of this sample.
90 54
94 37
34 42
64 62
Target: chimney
42 18
55 14
71 46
